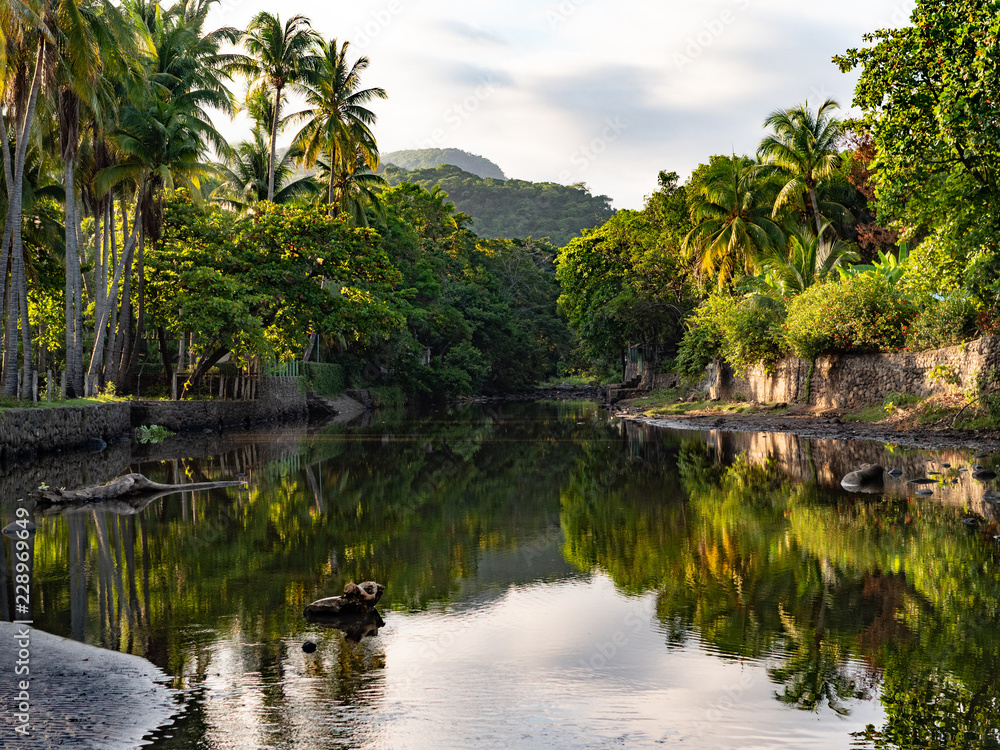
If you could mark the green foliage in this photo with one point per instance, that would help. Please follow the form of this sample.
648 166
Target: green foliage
148 434
941 323
862 314
627 282
513 208
480 315
328 380
732 202
744 331
257 287
429 158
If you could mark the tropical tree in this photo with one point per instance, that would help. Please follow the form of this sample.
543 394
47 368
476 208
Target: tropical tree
803 148
246 173
353 185
338 123
732 211
281 57
808 258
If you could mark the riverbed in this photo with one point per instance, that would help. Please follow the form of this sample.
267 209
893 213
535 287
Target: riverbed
555 578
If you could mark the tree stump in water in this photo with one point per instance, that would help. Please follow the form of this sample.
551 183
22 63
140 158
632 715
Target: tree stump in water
130 485
358 599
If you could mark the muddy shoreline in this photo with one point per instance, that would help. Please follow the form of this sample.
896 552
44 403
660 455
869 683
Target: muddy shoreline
821 427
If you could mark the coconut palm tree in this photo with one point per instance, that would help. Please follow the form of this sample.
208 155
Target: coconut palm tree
338 122
803 148
281 57
732 213
246 175
353 185
808 258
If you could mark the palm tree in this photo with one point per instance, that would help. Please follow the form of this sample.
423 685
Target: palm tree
803 148
353 186
280 57
246 175
807 259
731 210
338 122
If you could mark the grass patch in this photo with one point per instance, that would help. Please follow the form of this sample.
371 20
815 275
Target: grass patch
7 403
868 414
889 406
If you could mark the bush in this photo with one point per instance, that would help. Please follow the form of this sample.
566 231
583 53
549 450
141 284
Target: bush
942 323
745 331
862 314
327 380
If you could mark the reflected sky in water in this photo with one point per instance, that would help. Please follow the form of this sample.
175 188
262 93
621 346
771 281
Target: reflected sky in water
554 579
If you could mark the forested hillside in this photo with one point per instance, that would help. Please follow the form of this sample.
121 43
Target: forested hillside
513 208
428 158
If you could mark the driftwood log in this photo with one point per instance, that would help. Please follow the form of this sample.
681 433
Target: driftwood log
358 599
128 486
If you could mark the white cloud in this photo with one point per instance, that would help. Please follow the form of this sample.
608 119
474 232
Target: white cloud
533 85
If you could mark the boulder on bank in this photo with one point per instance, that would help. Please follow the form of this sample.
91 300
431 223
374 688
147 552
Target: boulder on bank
357 600
868 477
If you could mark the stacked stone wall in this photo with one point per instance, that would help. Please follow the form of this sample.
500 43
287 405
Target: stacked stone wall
849 381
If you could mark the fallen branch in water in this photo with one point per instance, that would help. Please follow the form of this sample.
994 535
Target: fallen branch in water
130 485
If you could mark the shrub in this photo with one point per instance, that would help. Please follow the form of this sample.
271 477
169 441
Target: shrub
861 314
942 323
325 379
745 331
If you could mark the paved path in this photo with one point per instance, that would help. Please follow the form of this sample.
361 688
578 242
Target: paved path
80 696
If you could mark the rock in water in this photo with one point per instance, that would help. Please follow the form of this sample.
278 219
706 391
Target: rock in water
924 480
309 647
985 475
14 528
358 599
867 476
895 473
924 493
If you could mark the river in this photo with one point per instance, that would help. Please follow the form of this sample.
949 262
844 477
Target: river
555 578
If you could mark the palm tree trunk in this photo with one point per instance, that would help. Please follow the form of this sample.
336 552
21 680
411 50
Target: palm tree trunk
815 208
125 378
274 138
18 282
8 222
73 378
102 324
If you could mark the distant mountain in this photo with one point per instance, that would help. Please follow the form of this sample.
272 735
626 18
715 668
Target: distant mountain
515 209
428 158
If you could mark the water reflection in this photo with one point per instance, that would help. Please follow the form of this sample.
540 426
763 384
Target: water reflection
553 579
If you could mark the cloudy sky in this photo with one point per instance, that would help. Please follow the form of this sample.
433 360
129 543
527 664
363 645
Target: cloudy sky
606 92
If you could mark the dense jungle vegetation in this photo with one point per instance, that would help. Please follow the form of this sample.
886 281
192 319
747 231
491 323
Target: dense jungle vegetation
138 242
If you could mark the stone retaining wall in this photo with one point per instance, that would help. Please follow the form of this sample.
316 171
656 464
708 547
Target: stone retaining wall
278 400
850 381
29 431
41 429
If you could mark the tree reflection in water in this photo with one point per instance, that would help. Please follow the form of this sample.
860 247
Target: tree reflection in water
750 550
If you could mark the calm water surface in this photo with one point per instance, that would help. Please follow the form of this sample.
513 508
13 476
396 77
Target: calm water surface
554 579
